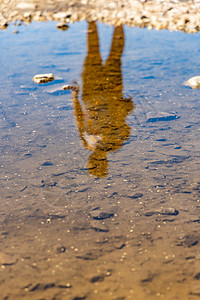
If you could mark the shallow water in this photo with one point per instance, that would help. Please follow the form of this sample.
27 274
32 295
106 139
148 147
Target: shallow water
100 195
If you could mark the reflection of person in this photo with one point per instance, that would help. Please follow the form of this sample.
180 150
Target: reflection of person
102 120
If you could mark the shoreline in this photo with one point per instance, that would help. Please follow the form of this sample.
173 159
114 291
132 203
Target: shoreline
152 14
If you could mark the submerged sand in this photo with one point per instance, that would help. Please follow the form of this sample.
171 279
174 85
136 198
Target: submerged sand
63 234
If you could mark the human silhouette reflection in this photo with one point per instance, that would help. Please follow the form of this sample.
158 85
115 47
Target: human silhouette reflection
101 119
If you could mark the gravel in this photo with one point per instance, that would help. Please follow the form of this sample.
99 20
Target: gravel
174 15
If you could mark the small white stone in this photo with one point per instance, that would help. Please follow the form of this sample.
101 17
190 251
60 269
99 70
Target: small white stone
60 15
27 14
25 5
194 82
43 78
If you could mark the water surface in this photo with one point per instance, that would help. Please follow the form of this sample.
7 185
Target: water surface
99 191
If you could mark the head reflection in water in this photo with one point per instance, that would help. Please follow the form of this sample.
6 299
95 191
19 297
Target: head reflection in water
101 119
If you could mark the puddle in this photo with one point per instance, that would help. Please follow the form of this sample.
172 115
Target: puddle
100 188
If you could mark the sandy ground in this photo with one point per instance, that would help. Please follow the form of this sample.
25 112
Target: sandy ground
172 15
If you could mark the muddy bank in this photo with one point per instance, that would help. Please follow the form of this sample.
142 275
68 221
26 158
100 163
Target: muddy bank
173 15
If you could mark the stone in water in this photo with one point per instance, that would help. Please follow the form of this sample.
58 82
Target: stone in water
7 259
101 215
97 226
43 78
169 211
194 82
62 26
162 116
67 87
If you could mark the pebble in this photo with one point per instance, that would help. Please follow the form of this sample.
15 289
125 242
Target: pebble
172 15
97 278
161 116
148 278
47 163
65 286
120 245
164 211
194 82
61 249
42 286
7 259
135 196
60 15
3 25
195 289
27 154
67 87
188 240
169 211
96 225
43 78
24 5
73 87
62 26
100 215
197 276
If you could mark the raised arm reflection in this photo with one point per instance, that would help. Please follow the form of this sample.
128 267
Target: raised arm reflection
101 119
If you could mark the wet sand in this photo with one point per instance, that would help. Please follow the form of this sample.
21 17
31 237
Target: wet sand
139 241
